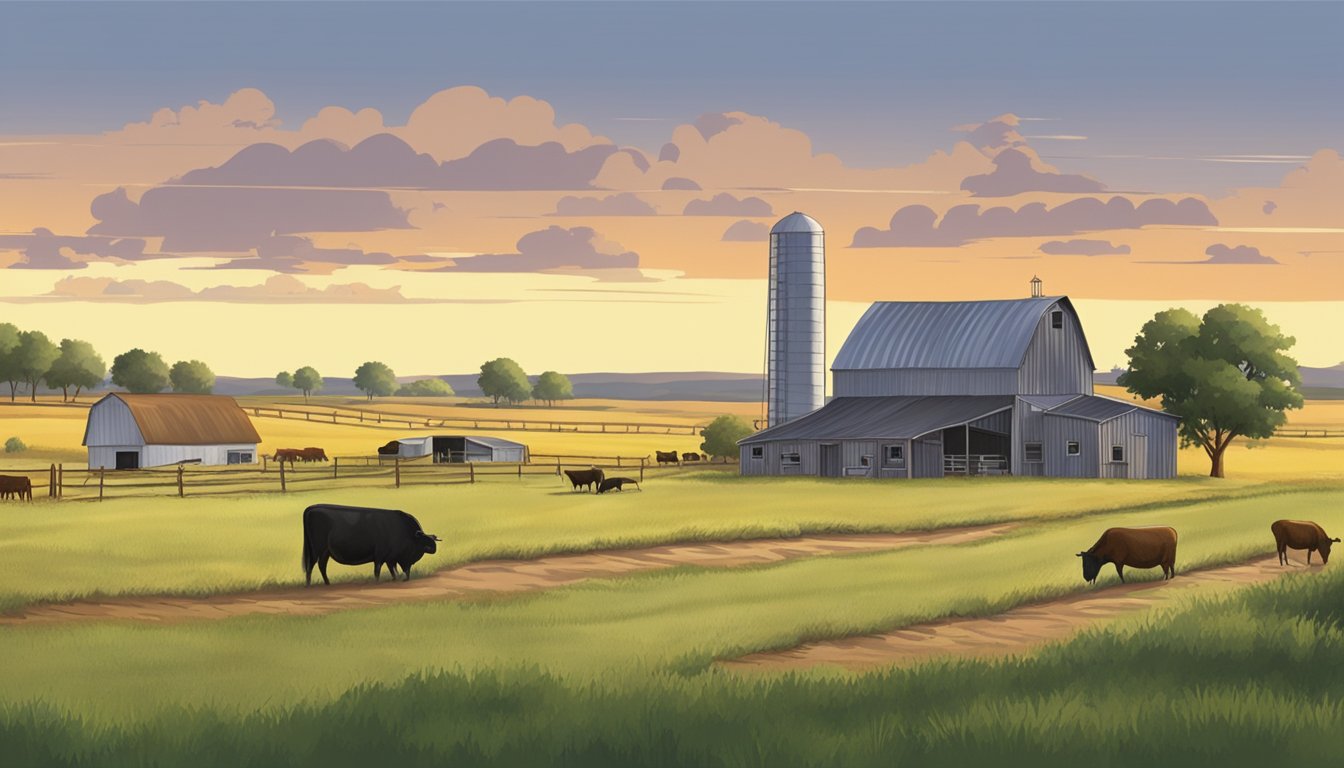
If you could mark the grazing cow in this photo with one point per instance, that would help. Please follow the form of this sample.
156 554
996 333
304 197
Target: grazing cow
615 483
1301 534
359 535
690 457
585 477
666 457
391 449
313 454
16 485
1135 547
287 454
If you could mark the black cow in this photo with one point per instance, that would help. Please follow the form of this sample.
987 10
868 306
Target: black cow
392 448
615 483
666 457
359 535
690 457
585 478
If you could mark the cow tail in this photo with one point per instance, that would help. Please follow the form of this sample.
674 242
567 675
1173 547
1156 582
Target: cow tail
307 559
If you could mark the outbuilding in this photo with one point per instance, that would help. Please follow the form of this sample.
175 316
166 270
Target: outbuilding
460 449
128 431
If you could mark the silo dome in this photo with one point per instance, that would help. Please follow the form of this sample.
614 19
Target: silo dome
796 319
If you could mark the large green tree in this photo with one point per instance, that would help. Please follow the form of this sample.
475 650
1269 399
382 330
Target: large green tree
375 379
139 371
9 366
192 377
308 381
284 379
1225 375
722 434
79 365
552 386
33 358
503 379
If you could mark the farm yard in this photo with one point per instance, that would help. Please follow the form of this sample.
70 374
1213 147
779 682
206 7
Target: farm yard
597 627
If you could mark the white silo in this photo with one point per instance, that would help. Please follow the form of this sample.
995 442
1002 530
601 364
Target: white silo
796 319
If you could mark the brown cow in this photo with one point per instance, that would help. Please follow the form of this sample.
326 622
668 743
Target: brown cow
20 486
1135 547
313 454
287 454
666 457
1301 534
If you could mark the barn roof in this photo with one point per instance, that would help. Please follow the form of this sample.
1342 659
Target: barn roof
946 334
1098 408
495 442
177 419
853 418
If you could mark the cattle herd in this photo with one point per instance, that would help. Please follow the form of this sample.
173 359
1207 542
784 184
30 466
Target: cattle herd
1156 546
299 454
672 457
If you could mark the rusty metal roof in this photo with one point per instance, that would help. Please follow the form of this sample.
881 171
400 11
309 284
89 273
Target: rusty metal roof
177 419
945 334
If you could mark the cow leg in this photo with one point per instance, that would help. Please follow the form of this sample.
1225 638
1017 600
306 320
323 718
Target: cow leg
308 575
407 570
1120 570
322 567
378 570
392 570
1309 551
1282 559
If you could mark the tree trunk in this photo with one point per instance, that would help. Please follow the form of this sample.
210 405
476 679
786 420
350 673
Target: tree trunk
32 389
65 394
1217 458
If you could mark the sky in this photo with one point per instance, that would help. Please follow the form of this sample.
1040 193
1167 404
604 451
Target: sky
517 176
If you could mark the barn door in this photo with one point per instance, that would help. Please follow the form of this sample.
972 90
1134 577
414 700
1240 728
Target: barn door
830 460
1138 463
128 459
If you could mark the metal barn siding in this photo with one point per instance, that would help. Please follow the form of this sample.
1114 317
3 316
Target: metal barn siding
1149 443
926 457
852 453
162 455
915 381
1057 432
1001 422
1057 361
105 456
112 424
796 319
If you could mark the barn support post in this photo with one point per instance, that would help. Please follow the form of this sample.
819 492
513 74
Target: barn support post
180 490
282 477
101 470
968 449
396 470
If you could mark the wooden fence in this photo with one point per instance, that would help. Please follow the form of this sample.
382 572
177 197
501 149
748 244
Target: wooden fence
61 483
505 423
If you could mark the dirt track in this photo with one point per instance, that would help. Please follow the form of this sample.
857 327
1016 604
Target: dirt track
486 577
1013 632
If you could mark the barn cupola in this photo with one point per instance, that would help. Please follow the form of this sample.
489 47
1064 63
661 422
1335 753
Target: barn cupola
1035 287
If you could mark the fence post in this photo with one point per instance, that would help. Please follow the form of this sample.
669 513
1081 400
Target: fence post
641 469
60 481
471 467
618 462
180 492
282 477
335 467
520 470
51 482
101 470
397 470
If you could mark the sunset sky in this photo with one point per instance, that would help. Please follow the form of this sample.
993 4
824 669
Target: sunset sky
587 186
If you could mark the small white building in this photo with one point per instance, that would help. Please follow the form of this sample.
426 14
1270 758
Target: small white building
458 449
127 431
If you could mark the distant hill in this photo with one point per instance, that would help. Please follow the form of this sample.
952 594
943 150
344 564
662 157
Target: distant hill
1312 378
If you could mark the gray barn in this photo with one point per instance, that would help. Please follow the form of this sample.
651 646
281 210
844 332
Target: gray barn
458 449
927 389
126 431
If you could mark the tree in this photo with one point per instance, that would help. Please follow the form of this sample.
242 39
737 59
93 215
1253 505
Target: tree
426 388
139 371
374 378
722 434
552 386
9 342
33 358
79 365
192 377
284 379
1226 375
503 379
308 380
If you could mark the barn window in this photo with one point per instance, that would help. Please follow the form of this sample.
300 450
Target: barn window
240 457
790 459
1057 319
757 451
1071 448
1117 453
1032 451
896 454
865 461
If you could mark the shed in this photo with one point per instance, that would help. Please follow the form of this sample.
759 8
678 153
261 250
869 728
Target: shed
458 449
130 431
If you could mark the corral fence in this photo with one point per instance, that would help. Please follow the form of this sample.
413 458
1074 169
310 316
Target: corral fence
59 482
505 423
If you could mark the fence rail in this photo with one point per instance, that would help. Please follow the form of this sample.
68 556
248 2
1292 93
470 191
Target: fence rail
384 419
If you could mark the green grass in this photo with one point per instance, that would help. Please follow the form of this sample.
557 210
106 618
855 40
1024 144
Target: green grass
608 631
1251 678
57 551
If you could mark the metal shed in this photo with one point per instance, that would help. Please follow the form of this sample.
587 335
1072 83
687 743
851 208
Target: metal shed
458 449
129 431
